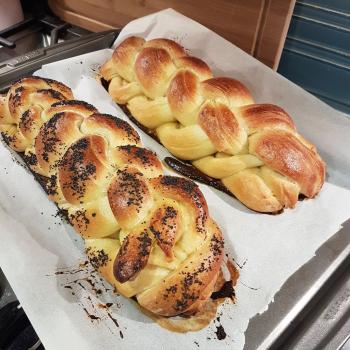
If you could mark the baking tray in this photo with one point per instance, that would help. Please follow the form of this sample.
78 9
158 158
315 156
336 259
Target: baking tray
312 307
302 298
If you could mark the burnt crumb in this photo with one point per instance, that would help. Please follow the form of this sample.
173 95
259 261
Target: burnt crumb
196 343
91 316
97 258
105 83
226 291
113 320
75 103
301 197
220 331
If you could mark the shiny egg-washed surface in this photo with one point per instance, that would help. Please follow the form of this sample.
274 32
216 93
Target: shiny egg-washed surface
254 149
149 235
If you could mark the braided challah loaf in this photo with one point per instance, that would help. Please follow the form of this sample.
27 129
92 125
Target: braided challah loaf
254 149
148 234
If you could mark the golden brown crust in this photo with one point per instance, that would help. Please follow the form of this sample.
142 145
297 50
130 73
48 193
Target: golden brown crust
222 128
174 49
178 292
187 193
132 256
129 197
164 225
232 91
153 69
184 96
283 152
250 188
54 138
117 131
124 56
75 106
195 65
141 228
140 158
212 120
258 116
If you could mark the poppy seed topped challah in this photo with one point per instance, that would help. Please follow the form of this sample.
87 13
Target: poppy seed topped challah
149 235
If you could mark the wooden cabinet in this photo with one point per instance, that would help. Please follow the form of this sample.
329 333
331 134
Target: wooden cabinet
257 26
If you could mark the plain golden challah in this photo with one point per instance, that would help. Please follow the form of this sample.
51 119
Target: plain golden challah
148 234
254 149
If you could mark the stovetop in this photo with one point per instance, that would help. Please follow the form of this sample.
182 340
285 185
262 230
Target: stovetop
33 34
34 42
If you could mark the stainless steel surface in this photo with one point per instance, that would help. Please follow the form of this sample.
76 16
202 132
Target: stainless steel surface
327 325
6 293
305 291
26 64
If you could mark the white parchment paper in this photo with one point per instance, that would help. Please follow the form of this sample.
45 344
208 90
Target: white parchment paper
35 244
